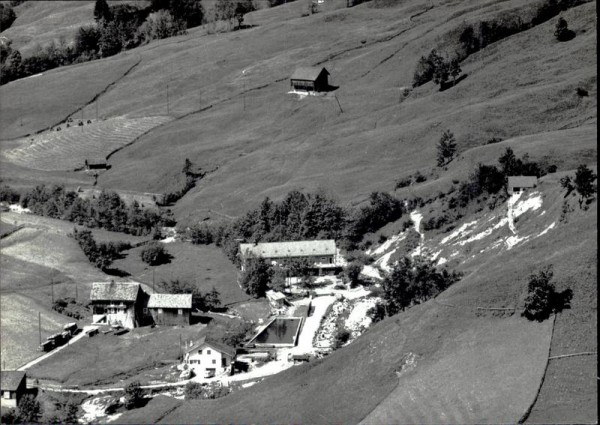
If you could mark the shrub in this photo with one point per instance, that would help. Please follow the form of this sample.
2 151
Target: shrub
377 312
446 148
351 273
404 182
29 410
9 195
493 140
542 298
582 92
192 391
154 254
341 337
133 395
419 178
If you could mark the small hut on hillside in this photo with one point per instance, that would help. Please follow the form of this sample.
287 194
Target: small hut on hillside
517 184
96 164
310 79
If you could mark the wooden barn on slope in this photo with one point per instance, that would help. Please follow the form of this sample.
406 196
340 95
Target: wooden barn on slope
310 78
517 184
170 309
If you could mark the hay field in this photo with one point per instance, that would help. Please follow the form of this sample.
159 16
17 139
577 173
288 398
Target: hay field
68 148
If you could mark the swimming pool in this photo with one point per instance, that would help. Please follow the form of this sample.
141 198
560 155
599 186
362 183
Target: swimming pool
280 332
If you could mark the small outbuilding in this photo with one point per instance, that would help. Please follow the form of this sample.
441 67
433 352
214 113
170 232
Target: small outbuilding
276 299
170 309
309 78
13 386
96 164
517 184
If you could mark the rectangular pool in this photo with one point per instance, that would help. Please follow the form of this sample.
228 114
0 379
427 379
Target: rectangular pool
281 332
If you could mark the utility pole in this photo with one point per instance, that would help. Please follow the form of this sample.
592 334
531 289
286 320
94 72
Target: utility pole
153 280
96 109
40 326
82 120
76 297
52 289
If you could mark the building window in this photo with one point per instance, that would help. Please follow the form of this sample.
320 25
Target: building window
180 311
6 395
207 351
145 310
160 311
214 361
199 351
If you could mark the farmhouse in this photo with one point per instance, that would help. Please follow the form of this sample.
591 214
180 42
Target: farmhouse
517 184
96 164
118 303
323 254
310 79
12 386
170 309
208 358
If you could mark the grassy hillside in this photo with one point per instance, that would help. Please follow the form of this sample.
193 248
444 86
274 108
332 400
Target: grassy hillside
226 107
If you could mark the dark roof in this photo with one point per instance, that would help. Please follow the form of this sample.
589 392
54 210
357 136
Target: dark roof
219 346
114 291
522 181
11 379
170 301
309 73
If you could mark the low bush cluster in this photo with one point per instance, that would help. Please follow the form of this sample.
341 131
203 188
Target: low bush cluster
100 254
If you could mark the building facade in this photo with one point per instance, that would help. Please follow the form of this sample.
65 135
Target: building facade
310 79
118 303
210 358
517 184
170 309
13 386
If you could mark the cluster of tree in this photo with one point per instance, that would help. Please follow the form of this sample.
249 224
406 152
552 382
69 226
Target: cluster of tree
7 194
296 267
412 281
203 302
382 208
437 68
256 277
300 216
7 16
340 338
107 211
100 254
189 178
351 273
475 37
582 183
133 396
542 298
155 253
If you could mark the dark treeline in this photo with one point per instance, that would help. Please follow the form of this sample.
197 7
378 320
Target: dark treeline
100 254
477 36
107 210
300 216
117 28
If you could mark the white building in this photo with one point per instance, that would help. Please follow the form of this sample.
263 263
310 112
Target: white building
209 358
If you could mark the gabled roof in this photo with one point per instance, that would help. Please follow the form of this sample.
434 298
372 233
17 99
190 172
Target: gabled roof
289 249
114 291
170 301
219 346
309 73
522 181
10 379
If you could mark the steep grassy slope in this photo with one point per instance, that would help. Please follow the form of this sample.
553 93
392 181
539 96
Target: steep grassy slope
522 85
449 361
39 23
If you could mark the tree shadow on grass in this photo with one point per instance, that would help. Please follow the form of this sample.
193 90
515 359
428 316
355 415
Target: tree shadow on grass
116 272
449 84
